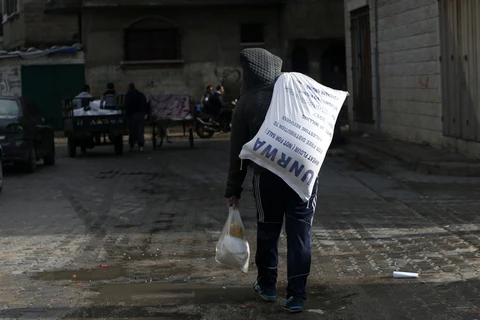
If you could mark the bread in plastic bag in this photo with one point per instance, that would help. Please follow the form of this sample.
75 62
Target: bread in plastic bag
232 248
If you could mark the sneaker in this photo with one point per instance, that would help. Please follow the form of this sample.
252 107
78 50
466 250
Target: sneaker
140 149
293 304
266 294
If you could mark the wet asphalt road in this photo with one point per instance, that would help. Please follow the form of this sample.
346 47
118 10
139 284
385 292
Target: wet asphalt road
133 237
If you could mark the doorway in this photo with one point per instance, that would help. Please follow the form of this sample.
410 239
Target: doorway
300 61
362 65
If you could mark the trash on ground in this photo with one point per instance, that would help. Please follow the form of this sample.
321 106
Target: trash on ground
401 274
319 311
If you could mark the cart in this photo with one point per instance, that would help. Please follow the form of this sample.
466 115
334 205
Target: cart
166 110
88 131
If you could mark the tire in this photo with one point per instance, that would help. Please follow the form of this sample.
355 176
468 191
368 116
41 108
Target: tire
31 164
199 128
50 159
1 175
118 145
72 148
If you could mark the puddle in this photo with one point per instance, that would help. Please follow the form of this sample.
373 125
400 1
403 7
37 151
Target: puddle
202 294
96 274
130 312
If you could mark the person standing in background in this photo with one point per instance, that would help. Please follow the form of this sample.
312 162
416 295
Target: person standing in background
109 98
84 98
136 108
206 98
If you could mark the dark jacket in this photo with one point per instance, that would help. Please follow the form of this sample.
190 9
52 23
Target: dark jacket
135 102
216 102
260 71
206 101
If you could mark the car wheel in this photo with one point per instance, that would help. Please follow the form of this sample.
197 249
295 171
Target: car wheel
1 175
72 148
50 159
118 145
31 165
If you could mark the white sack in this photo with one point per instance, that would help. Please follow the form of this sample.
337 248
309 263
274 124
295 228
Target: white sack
298 129
94 110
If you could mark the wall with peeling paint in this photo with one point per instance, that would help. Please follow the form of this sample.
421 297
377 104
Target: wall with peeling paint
10 81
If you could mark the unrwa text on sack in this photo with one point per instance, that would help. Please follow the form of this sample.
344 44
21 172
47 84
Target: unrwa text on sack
294 147
270 153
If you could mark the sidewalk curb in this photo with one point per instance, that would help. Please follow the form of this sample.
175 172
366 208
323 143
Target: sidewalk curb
445 168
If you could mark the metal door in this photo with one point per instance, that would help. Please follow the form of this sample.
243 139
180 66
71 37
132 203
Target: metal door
460 62
361 65
47 85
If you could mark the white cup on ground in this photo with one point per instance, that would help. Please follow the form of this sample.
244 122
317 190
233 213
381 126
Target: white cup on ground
401 274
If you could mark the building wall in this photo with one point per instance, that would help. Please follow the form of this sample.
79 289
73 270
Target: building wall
410 72
14 30
10 79
46 30
210 44
33 28
314 25
409 51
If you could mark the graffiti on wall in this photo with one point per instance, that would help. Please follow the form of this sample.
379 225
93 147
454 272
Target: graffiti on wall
231 79
232 76
10 81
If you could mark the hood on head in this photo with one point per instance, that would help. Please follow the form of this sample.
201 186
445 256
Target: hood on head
260 68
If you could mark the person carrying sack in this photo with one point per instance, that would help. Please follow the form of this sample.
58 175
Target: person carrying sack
274 198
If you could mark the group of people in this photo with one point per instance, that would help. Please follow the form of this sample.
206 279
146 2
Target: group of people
136 109
213 104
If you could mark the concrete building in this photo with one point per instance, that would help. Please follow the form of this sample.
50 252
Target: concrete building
180 46
412 70
173 46
40 23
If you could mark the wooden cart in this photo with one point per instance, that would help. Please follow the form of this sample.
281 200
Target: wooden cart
167 110
86 132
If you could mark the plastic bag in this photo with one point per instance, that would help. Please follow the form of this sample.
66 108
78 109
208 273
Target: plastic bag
232 248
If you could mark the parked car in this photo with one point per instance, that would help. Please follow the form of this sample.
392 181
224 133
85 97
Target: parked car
25 136
1 169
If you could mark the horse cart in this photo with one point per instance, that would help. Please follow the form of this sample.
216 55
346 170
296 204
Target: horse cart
170 110
87 126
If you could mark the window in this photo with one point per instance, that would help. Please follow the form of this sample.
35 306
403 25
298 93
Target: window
252 33
9 107
9 7
152 39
